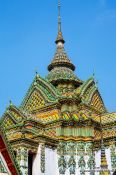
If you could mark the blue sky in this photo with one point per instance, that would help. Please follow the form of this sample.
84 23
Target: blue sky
28 30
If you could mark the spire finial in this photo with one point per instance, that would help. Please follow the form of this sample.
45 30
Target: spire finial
59 37
59 16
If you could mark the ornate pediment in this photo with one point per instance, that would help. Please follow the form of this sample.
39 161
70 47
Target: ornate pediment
90 95
34 102
16 113
40 94
12 116
97 102
8 121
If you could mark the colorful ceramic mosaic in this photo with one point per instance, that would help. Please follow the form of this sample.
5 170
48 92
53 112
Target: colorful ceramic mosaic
61 112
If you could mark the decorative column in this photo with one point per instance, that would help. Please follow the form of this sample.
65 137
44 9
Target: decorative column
81 162
62 164
113 157
91 164
91 160
82 165
71 152
72 165
22 158
42 157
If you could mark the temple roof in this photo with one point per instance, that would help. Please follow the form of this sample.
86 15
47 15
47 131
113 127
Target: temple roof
16 121
107 118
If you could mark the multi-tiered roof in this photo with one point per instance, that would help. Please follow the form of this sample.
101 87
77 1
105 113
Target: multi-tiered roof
58 102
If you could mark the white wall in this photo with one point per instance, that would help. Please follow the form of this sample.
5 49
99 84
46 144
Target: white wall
51 162
36 163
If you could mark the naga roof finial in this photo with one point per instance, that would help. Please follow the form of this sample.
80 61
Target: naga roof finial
10 102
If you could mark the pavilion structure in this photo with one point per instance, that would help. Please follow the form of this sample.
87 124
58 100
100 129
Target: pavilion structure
62 126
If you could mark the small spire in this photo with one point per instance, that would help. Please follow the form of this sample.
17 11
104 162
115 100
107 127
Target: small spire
96 83
36 74
93 75
59 36
10 102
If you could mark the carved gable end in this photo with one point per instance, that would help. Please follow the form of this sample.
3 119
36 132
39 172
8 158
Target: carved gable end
8 121
87 89
97 102
16 114
40 94
34 102
90 95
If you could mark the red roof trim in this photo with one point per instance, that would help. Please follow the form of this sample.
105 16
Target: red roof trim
5 154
